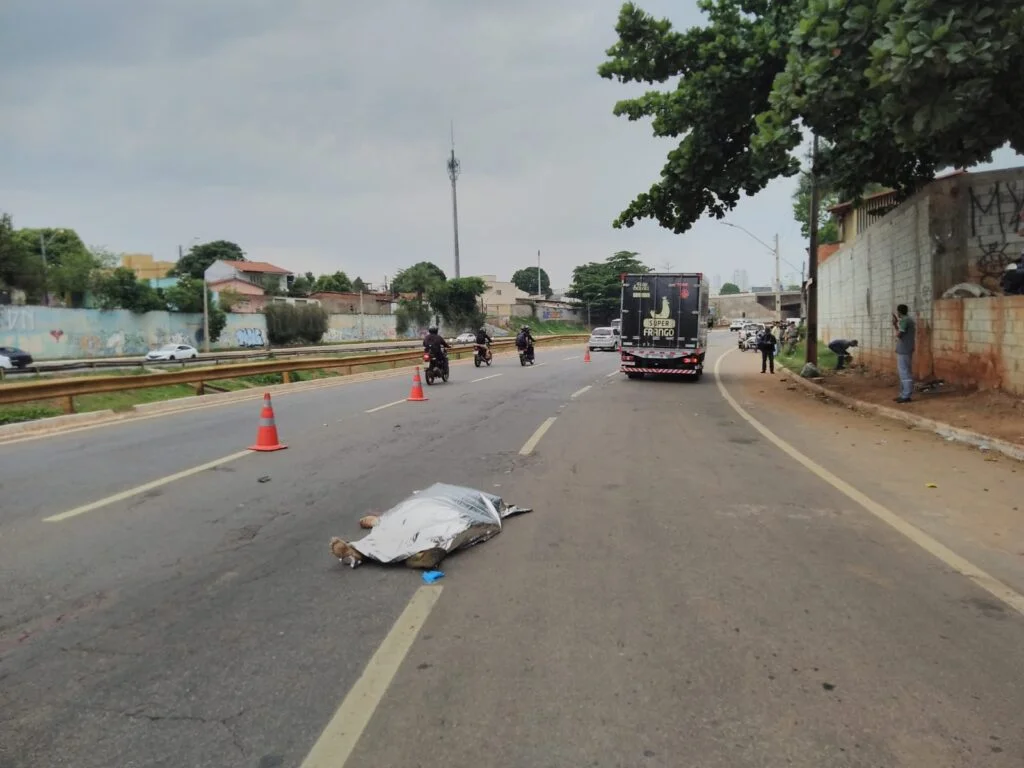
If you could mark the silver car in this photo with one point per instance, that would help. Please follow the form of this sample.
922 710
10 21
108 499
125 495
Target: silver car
604 338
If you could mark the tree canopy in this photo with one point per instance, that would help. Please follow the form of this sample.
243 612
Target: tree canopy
200 257
598 284
337 283
526 280
418 278
898 91
456 301
729 289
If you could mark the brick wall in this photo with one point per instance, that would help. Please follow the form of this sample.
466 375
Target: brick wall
963 228
980 342
860 285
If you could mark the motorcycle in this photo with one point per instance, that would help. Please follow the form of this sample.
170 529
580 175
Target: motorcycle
526 355
481 354
434 368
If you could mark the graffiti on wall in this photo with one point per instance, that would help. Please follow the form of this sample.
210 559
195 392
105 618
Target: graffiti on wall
17 319
249 337
997 228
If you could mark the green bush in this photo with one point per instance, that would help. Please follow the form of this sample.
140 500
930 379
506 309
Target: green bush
290 323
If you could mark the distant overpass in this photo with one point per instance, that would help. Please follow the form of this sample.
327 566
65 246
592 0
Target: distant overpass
755 305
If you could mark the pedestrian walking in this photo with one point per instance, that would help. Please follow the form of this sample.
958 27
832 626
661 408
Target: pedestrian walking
767 344
839 347
905 328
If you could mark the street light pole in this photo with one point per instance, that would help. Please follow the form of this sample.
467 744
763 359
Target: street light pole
539 291
454 167
43 240
778 284
812 269
206 317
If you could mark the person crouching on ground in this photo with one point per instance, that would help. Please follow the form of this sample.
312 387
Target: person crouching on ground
839 347
767 344
905 329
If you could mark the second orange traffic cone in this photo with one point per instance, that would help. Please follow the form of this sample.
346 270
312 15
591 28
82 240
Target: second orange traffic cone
266 435
586 356
416 393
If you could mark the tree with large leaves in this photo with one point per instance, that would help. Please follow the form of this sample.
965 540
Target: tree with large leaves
456 301
896 90
598 284
526 280
200 257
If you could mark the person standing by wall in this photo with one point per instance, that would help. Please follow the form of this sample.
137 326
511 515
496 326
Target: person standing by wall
906 331
767 343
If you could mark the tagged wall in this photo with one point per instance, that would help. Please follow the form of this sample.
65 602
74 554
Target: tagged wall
342 328
54 333
961 229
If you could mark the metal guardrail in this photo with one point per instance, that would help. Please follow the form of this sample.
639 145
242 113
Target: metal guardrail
204 357
70 388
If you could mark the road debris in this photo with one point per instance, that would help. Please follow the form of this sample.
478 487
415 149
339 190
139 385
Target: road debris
264 479
429 577
428 526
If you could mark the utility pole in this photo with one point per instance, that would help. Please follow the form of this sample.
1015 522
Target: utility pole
778 284
206 317
812 269
803 293
453 173
540 291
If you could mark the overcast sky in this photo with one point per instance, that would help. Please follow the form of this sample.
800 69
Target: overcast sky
315 133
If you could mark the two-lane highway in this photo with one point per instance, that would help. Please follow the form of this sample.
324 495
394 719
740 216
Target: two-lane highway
686 592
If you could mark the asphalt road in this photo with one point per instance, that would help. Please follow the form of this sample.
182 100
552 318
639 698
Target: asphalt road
685 593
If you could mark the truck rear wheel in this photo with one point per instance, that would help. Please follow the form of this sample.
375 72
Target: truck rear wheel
634 375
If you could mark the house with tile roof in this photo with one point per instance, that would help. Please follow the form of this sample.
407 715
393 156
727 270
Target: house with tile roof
270 278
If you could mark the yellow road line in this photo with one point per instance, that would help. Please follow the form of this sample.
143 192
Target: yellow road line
143 488
983 579
527 449
339 738
386 405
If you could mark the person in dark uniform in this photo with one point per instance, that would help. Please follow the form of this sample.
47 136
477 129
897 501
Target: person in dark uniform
767 343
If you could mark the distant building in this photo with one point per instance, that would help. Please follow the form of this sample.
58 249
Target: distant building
499 299
338 303
258 273
740 278
146 267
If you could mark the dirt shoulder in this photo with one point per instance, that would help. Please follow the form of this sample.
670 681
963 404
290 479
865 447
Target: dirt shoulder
989 412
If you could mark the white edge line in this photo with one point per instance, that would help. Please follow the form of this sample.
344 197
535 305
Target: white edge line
143 488
613 373
527 449
573 357
386 405
579 392
339 739
485 378
966 568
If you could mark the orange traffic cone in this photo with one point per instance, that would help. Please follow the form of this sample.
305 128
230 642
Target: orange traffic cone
266 435
416 394
586 356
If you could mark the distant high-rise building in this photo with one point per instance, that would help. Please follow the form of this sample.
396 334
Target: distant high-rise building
716 284
739 277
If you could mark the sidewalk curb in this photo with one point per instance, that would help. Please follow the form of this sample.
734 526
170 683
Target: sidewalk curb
942 429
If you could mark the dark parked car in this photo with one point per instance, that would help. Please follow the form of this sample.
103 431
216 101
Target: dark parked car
18 358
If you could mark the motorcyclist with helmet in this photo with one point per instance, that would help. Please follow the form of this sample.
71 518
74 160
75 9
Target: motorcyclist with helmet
525 341
483 342
434 343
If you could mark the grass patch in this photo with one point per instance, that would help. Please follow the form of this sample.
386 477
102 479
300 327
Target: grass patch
127 399
795 362
13 414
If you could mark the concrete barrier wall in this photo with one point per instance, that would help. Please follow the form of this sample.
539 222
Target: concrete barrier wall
50 333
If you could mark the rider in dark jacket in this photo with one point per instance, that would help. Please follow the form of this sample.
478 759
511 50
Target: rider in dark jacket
482 337
524 340
435 344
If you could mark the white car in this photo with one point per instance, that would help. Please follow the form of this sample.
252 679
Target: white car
604 338
736 325
173 352
5 363
465 338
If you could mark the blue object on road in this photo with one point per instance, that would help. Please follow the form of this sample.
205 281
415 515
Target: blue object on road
429 577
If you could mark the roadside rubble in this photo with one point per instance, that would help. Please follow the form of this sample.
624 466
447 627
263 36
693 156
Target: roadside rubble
424 528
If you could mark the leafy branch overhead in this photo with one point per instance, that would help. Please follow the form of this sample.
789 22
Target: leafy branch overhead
898 91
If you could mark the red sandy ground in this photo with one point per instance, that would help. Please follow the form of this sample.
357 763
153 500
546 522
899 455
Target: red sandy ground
989 412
